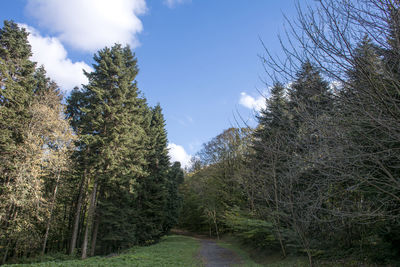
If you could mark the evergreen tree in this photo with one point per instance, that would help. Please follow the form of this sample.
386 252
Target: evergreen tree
174 200
369 107
16 83
272 150
309 95
153 189
310 105
113 139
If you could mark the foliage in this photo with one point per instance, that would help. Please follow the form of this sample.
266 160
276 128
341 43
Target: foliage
100 186
321 168
254 232
35 152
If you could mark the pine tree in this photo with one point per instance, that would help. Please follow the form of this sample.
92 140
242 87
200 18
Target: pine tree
16 83
153 189
369 115
174 199
304 181
309 95
110 123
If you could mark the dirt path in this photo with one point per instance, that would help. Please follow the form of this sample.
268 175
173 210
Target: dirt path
214 255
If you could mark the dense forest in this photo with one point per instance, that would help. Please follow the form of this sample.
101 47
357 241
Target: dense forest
92 176
319 175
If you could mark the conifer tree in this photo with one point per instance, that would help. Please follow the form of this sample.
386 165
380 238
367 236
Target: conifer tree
368 110
153 189
113 139
309 95
173 203
310 104
16 83
272 150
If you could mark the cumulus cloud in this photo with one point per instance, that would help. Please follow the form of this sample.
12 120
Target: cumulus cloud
173 3
49 51
90 25
252 103
178 153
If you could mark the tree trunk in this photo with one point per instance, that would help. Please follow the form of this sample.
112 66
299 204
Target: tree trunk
89 219
6 253
77 214
51 214
277 222
215 223
94 237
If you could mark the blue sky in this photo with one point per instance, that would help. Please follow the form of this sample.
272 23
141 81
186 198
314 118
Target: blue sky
198 58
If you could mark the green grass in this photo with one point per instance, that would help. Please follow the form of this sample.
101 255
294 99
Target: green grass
171 251
177 250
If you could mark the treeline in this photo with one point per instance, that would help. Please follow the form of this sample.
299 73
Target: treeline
90 177
320 173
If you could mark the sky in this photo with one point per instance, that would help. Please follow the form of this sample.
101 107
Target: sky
198 58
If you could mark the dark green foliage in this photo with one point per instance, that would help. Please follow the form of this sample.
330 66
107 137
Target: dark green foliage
153 192
109 116
250 230
309 94
123 151
16 91
320 176
16 84
119 189
174 199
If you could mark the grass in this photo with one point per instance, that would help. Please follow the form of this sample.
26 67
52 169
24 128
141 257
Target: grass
178 250
171 251
268 259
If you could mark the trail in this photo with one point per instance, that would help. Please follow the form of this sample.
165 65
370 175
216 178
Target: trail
214 255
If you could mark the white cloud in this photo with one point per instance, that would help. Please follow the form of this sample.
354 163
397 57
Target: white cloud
178 153
49 51
173 3
252 103
90 25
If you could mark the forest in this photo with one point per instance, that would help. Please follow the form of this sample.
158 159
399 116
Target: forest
319 175
92 175
89 173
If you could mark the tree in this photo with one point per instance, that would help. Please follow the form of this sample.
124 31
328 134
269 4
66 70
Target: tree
272 150
110 123
16 82
215 185
35 151
153 190
355 45
174 199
